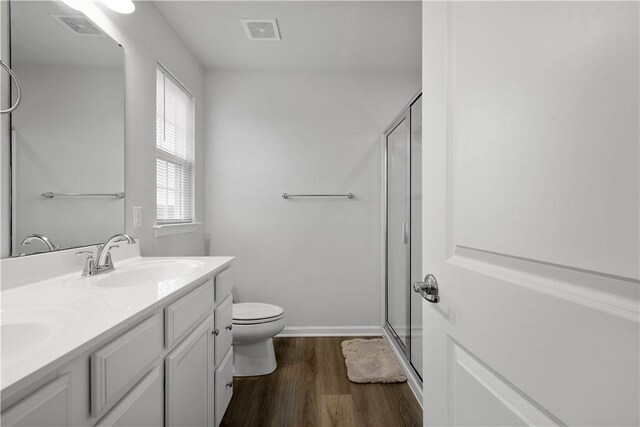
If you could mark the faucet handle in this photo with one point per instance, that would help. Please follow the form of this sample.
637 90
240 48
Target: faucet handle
89 265
113 246
89 253
108 261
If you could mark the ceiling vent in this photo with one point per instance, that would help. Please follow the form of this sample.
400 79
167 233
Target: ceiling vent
261 29
79 25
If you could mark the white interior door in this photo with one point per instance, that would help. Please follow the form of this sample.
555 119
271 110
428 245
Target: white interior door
531 211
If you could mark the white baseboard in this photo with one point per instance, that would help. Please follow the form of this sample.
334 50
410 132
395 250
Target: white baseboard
330 331
412 378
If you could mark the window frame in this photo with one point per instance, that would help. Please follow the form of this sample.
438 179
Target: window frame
188 162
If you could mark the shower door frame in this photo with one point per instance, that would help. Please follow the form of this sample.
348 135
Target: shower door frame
405 114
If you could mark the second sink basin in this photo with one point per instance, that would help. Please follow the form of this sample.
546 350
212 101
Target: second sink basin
142 272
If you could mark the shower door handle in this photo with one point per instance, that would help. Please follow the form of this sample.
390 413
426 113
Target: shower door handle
405 232
428 289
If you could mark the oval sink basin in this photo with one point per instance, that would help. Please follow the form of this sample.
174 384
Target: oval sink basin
144 272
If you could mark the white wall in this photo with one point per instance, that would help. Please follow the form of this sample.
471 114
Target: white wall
75 146
309 132
147 39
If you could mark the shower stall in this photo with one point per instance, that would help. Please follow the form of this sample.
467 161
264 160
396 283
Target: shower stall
403 231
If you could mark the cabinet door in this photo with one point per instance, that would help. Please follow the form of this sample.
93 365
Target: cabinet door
224 326
187 370
141 407
49 406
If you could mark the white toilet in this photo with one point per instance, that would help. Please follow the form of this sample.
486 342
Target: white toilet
254 326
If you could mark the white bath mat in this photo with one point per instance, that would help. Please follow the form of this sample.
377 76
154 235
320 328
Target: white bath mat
371 361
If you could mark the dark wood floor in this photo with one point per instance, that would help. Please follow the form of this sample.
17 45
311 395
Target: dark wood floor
310 388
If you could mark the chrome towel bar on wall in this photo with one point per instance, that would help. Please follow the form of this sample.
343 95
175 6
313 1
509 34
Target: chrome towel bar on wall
348 195
52 195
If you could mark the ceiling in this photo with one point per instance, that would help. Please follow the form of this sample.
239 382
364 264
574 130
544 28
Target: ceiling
316 35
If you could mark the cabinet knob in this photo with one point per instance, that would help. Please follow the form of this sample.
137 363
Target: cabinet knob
230 384
216 331
229 327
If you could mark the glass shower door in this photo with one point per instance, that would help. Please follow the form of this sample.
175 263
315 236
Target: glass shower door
398 315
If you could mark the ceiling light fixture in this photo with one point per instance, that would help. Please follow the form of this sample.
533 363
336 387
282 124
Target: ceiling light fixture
120 6
74 4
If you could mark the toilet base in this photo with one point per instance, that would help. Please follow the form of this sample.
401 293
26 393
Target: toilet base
257 358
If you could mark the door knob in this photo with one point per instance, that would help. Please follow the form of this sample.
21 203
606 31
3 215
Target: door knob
428 289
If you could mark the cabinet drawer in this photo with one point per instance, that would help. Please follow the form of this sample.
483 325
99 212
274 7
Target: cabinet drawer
224 386
119 365
224 326
183 315
49 406
143 406
224 284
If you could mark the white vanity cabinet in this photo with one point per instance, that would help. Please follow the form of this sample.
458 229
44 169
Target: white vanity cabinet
172 366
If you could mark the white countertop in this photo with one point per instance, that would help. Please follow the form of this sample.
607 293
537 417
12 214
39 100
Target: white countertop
48 322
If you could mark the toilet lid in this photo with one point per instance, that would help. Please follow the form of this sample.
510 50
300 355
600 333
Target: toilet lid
255 311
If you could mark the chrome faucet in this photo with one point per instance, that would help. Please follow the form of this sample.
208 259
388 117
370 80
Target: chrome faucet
44 239
103 263
103 258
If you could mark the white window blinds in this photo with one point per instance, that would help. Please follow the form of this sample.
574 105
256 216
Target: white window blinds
174 150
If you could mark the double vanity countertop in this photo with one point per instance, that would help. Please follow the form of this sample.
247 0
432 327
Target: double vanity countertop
49 322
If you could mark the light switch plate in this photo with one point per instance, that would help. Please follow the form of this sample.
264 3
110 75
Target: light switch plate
137 216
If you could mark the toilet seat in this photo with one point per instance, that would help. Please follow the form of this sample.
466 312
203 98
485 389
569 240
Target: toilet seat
252 313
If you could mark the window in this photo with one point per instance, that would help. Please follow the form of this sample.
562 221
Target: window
174 150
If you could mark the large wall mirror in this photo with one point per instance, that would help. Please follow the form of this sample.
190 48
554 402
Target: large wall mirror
67 139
